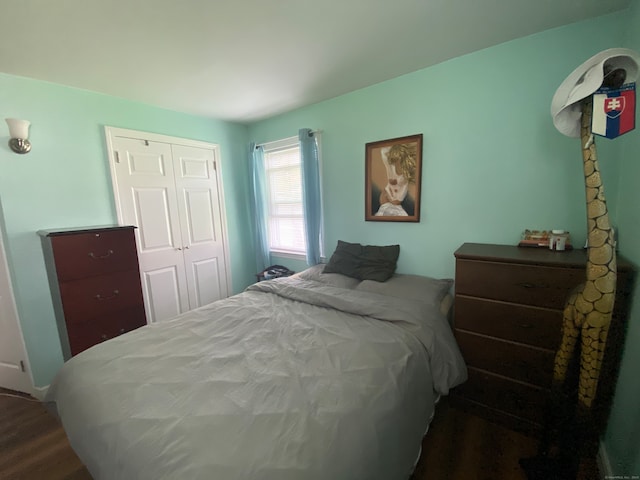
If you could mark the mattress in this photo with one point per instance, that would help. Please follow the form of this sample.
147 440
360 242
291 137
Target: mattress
291 379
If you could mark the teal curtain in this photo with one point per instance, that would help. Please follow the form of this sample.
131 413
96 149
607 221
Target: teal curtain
311 193
256 157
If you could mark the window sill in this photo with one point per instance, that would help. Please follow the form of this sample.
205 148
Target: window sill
292 255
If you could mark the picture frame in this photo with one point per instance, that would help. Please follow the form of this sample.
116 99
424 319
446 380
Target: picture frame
393 177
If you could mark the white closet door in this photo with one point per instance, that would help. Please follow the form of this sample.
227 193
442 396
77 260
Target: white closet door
147 199
199 208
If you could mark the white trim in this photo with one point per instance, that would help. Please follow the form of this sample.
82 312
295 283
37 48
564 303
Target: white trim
40 392
111 132
156 137
604 465
283 254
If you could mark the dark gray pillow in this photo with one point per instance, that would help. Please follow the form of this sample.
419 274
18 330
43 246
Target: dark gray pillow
364 262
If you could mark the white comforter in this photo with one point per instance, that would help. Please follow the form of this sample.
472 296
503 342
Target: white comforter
291 379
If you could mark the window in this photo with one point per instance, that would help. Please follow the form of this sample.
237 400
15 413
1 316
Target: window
285 222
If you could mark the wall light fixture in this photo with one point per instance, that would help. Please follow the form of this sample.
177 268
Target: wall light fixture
19 134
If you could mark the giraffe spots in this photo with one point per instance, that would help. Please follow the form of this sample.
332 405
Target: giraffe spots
597 238
603 335
592 194
589 168
603 222
594 323
582 308
591 293
605 304
596 208
596 271
606 283
602 255
593 180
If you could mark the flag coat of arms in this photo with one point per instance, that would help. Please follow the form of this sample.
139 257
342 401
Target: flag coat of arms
614 111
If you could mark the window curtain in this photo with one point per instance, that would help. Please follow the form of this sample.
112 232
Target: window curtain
256 157
311 193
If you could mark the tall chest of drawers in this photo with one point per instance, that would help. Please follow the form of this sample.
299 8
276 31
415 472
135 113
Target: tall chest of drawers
95 284
508 323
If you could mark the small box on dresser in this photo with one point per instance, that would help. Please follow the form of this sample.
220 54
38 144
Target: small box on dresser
508 322
95 284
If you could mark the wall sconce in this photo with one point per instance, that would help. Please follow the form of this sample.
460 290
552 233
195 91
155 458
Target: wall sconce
19 134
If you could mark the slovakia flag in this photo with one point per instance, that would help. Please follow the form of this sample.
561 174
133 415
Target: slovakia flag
614 111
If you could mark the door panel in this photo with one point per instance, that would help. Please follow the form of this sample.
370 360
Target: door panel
147 198
199 225
206 278
165 300
200 214
152 211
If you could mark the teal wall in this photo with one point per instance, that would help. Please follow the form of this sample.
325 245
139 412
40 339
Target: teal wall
493 163
65 182
493 166
622 440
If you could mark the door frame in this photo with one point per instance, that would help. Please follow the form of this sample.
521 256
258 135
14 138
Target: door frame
5 272
112 132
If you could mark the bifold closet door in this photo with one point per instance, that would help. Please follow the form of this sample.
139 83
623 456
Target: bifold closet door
201 223
170 192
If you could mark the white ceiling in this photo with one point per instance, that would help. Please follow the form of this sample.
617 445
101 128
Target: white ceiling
244 60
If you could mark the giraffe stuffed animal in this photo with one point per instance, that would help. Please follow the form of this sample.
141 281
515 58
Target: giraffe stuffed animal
588 311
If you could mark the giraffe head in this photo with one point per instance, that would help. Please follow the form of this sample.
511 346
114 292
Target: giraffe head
610 67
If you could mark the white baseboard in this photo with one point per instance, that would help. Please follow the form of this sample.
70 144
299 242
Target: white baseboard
40 392
604 466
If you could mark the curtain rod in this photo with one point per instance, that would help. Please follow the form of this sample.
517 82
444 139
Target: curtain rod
288 139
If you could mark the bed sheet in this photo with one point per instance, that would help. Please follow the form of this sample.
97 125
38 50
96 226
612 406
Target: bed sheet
292 379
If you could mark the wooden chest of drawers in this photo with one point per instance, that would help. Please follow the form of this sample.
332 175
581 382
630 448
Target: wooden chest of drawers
508 323
95 284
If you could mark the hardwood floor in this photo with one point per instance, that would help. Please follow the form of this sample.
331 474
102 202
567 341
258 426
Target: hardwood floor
459 446
33 445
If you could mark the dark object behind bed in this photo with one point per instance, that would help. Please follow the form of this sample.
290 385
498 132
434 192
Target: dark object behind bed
364 262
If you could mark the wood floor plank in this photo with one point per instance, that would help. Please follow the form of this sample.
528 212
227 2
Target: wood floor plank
33 445
459 446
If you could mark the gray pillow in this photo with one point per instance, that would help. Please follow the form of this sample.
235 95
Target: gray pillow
410 287
335 279
364 262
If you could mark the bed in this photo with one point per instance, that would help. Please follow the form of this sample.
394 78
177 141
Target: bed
315 376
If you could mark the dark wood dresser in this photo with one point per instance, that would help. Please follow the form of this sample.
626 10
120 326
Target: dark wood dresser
508 323
95 284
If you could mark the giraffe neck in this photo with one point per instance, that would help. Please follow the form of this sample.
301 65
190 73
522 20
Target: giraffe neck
600 235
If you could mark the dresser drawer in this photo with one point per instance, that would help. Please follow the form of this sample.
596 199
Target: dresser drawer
89 297
540 327
515 398
102 328
93 253
542 286
520 362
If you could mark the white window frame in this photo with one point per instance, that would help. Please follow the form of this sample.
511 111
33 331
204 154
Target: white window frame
284 144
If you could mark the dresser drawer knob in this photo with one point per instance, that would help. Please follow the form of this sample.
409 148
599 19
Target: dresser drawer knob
525 325
114 295
104 336
99 257
121 331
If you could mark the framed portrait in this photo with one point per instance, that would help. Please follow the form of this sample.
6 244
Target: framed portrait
393 173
